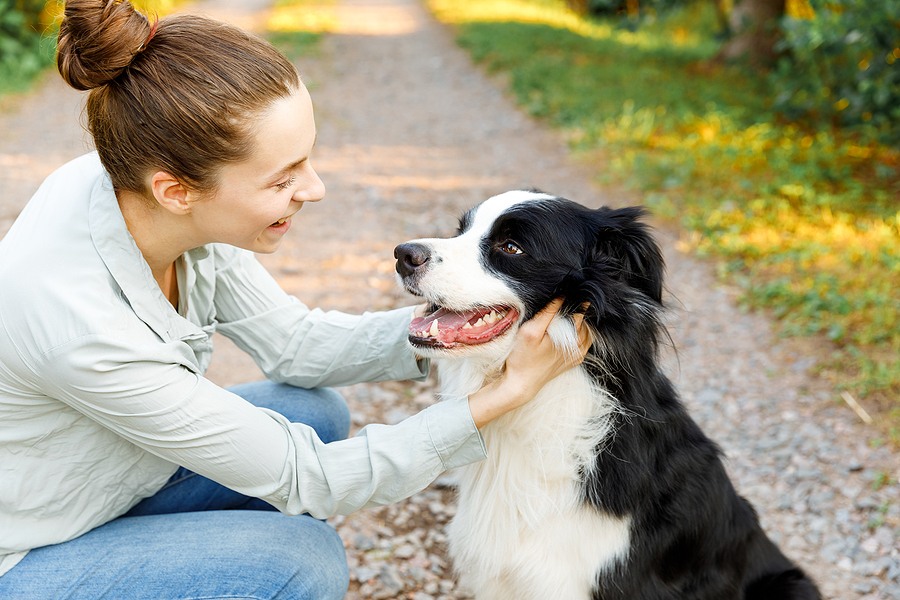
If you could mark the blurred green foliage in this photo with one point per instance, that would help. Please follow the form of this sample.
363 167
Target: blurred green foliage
841 62
22 53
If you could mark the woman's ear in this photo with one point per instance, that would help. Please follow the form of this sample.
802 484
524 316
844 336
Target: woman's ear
170 193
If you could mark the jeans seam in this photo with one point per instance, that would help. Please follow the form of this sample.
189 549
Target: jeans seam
177 481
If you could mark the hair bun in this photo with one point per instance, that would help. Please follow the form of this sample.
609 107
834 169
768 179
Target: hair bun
98 39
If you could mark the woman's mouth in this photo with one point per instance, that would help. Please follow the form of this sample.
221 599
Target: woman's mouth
281 225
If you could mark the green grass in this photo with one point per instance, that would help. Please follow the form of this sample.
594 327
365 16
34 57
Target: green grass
295 44
804 220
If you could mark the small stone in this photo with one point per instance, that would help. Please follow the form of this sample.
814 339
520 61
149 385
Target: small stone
405 551
870 545
862 588
390 579
885 536
363 574
363 543
894 572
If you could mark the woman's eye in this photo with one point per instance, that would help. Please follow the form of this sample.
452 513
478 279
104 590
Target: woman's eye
285 185
510 248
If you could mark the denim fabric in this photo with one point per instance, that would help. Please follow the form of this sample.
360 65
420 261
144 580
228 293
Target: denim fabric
196 539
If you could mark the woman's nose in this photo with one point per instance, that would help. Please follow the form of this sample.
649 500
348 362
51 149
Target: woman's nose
313 191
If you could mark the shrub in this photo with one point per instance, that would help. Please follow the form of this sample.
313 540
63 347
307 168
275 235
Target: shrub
21 28
842 63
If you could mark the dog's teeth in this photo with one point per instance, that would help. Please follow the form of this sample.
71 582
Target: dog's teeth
434 328
467 326
479 323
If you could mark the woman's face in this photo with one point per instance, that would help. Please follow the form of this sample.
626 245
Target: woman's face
255 199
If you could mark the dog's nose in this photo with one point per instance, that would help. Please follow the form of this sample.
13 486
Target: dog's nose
411 258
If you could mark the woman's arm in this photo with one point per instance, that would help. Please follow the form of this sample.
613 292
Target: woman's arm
140 396
306 347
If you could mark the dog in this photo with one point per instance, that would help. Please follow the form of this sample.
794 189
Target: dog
602 487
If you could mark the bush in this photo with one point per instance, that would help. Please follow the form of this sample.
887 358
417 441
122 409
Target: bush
21 29
841 64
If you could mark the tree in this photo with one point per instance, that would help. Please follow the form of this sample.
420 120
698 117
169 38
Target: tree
754 28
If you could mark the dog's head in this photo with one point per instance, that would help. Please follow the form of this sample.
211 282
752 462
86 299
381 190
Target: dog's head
517 252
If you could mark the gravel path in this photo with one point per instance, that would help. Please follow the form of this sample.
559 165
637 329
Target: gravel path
410 134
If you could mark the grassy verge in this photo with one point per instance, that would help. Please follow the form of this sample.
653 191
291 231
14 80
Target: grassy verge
804 220
296 27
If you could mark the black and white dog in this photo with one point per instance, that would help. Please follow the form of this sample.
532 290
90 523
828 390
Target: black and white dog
602 487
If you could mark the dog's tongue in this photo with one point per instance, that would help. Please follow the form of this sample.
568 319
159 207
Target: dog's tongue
446 327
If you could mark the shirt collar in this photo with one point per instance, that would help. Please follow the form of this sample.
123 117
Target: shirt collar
127 266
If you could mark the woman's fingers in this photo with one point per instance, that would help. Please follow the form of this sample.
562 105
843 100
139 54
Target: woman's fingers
536 328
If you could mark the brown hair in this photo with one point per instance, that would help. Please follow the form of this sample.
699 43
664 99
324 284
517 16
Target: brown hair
182 95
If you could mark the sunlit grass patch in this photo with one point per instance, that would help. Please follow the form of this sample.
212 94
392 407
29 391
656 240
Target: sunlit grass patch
296 27
303 16
805 220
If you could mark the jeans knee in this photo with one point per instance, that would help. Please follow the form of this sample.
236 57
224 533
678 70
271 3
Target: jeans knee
323 576
338 426
323 409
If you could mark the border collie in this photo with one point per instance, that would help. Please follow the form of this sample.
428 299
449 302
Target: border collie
602 487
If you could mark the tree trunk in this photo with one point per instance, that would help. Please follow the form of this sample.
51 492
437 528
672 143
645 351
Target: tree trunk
754 25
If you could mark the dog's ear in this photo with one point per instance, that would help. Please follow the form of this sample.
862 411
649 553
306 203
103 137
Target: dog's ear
627 241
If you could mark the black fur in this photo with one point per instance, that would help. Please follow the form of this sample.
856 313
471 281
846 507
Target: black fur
693 537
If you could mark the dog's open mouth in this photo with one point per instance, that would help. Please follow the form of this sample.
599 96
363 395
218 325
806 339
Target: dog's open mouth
445 329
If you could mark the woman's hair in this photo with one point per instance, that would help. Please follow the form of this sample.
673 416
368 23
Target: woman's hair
182 95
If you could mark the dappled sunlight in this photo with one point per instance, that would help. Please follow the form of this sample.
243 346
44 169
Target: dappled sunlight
555 13
847 268
316 18
347 20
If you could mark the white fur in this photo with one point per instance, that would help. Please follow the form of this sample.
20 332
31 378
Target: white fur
522 531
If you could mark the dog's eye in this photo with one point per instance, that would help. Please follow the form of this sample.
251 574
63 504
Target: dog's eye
510 248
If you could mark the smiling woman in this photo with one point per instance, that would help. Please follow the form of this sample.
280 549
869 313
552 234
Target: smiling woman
113 280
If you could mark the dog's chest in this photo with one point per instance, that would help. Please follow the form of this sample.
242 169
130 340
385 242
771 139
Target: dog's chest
520 513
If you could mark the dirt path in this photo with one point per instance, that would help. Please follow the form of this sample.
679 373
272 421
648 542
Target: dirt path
410 134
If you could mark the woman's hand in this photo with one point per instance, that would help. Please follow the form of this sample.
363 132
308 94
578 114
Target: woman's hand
533 363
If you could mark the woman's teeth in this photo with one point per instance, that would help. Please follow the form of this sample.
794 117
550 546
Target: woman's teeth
281 221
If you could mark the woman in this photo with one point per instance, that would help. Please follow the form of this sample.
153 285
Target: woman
112 281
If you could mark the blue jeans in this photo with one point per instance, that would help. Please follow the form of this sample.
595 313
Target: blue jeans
198 540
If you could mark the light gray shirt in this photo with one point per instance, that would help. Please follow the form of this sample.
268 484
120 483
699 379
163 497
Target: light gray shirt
102 394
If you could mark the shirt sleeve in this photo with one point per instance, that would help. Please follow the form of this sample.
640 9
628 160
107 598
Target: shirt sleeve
167 409
308 347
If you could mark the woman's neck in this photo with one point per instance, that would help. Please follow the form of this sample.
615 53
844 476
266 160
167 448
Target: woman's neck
160 236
